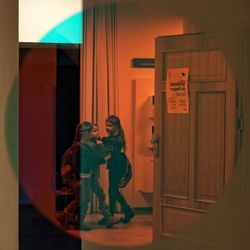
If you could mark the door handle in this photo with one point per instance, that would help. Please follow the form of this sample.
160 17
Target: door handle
155 141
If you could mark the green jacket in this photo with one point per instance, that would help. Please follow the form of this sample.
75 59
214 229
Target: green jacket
88 155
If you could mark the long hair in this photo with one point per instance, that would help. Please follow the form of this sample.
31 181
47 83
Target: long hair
115 121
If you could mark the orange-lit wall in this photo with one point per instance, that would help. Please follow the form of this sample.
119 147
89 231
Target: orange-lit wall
137 26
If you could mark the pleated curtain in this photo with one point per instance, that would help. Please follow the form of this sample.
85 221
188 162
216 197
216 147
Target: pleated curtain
99 56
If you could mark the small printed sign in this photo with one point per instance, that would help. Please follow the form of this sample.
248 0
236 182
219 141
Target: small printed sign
143 62
177 90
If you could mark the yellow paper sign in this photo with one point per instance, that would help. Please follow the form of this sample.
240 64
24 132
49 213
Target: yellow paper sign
177 90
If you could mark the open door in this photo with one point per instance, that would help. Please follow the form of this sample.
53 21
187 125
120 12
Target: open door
194 150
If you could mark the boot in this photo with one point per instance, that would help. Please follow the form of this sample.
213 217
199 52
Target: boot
102 221
129 214
107 219
110 221
84 227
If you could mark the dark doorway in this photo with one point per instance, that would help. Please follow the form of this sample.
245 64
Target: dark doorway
67 100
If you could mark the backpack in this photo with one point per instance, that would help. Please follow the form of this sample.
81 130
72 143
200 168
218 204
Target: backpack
127 175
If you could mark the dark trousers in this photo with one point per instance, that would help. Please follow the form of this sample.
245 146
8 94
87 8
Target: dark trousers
79 206
82 191
114 193
85 197
98 190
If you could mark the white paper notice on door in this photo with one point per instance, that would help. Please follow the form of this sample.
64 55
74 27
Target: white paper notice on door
177 90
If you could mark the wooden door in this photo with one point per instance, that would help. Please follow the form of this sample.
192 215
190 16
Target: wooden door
196 149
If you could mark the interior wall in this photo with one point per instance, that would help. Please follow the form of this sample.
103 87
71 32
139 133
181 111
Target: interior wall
138 24
9 124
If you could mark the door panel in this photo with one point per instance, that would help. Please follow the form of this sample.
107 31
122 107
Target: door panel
210 145
174 220
204 66
197 148
175 173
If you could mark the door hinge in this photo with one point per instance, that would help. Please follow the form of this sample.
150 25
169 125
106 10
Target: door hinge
240 123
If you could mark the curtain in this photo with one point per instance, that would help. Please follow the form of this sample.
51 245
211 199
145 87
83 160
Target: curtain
99 70
98 97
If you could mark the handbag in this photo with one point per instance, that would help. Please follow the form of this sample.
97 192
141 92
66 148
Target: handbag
127 174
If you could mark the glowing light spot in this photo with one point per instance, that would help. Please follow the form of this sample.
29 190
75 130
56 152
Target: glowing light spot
68 31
